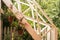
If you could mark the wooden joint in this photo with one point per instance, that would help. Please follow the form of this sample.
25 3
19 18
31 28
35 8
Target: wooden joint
11 6
19 15
21 19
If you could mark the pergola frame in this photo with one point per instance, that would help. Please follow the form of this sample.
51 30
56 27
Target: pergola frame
28 27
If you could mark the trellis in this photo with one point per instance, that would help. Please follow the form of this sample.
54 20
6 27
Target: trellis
49 30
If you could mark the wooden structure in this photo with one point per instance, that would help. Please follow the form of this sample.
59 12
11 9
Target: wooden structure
49 32
0 23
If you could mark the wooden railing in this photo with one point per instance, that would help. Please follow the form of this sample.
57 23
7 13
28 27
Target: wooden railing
49 32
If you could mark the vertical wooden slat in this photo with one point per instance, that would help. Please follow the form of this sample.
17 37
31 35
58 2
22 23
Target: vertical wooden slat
10 33
48 34
0 28
7 30
4 33
14 32
0 23
53 34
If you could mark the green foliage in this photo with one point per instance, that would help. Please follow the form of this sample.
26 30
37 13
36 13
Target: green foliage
24 7
52 8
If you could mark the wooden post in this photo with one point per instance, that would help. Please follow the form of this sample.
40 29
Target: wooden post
54 34
0 22
0 28
10 33
5 30
48 34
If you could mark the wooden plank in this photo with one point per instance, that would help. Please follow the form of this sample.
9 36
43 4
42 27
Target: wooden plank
53 33
0 23
51 22
0 28
5 30
48 34
19 16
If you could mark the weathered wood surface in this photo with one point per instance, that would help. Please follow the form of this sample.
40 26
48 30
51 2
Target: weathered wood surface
0 23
